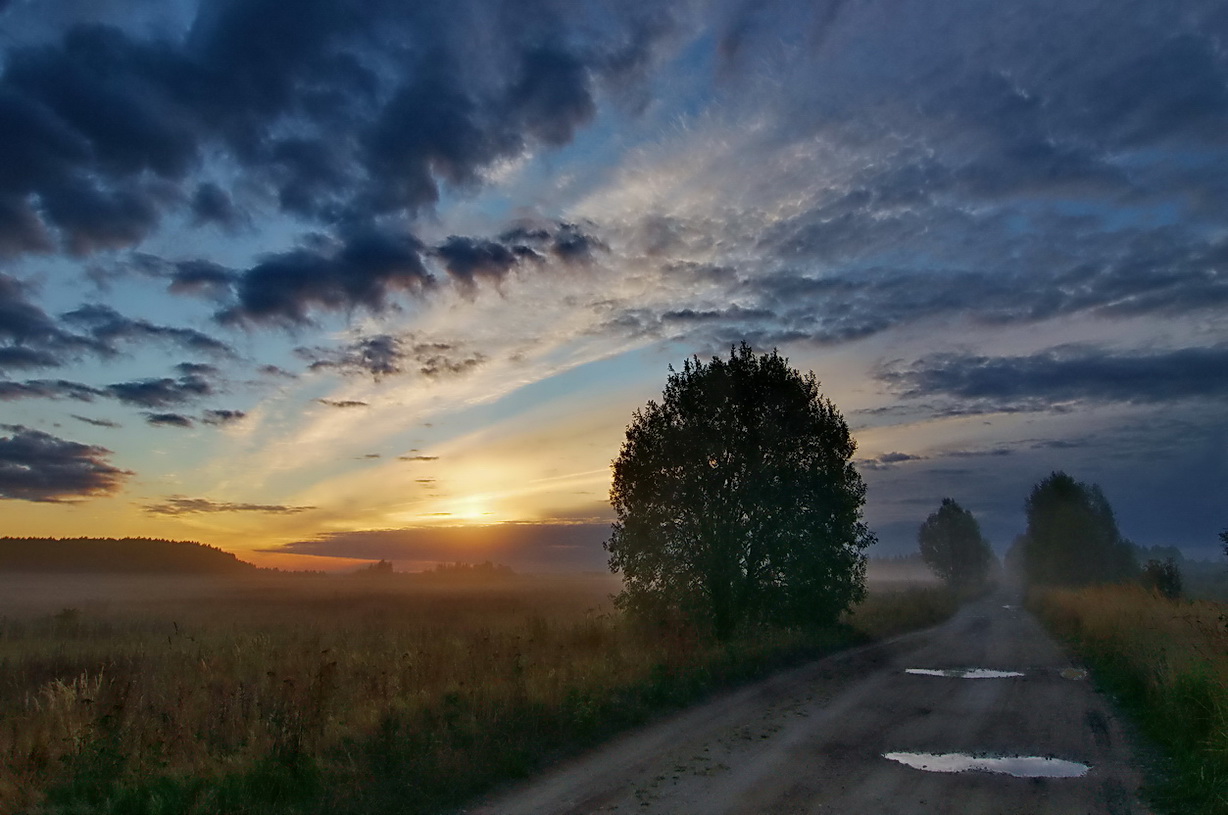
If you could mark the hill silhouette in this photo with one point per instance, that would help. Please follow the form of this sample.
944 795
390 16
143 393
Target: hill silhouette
117 556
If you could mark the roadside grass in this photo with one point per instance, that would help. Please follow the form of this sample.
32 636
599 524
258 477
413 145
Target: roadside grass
1167 662
298 696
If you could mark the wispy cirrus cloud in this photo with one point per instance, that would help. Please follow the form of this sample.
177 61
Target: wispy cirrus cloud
182 505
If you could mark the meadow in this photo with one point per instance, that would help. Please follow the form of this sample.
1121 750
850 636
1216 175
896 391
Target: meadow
278 694
1167 663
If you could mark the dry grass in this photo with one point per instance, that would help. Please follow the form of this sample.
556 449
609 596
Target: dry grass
1168 662
339 695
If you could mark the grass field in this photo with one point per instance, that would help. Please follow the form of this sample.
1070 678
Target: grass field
334 694
1167 661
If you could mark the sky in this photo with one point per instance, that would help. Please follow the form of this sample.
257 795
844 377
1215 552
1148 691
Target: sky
330 281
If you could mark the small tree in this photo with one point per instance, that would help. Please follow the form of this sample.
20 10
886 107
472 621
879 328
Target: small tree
953 547
1162 576
737 500
1072 536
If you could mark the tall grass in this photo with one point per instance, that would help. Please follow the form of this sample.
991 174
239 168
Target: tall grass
1168 663
334 696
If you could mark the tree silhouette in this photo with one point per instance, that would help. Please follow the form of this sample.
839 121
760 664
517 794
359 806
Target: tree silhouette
737 501
953 547
1072 536
1163 576
1223 537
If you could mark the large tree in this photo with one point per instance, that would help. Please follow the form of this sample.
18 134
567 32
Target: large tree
737 499
1072 536
954 548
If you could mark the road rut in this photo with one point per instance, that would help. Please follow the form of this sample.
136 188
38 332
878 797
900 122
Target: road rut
815 739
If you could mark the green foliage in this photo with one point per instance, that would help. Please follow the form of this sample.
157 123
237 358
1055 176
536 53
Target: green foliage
1167 663
1163 577
737 500
1072 536
954 548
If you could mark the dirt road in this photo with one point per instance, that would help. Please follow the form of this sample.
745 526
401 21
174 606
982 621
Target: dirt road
849 734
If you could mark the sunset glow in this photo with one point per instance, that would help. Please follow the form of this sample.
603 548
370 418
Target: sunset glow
414 267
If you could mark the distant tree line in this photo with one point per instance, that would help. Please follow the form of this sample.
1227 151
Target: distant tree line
117 556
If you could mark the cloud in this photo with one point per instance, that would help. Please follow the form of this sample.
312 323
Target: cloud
211 205
222 417
469 260
201 277
344 403
169 420
32 339
48 389
108 326
568 242
96 422
887 460
417 458
162 392
361 271
36 466
326 110
181 505
383 355
525 547
1065 374
197 369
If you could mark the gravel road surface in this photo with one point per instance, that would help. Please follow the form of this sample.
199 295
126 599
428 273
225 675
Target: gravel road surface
817 739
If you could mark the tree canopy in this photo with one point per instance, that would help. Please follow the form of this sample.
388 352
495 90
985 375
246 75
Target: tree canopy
1072 536
737 501
954 548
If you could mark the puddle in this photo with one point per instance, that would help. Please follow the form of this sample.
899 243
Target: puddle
964 673
1074 673
1018 766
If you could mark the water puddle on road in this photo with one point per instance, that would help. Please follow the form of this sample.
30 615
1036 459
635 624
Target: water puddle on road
963 673
1018 766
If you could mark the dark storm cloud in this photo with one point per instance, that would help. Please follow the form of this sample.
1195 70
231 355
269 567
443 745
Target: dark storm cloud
360 271
1066 374
32 339
36 466
163 392
211 205
469 260
19 357
169 420
330 108
107 327
48 389
525 547
222 417
197 369
181 505
384 355
201 277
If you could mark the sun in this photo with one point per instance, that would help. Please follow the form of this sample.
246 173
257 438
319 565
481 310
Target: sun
472 508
